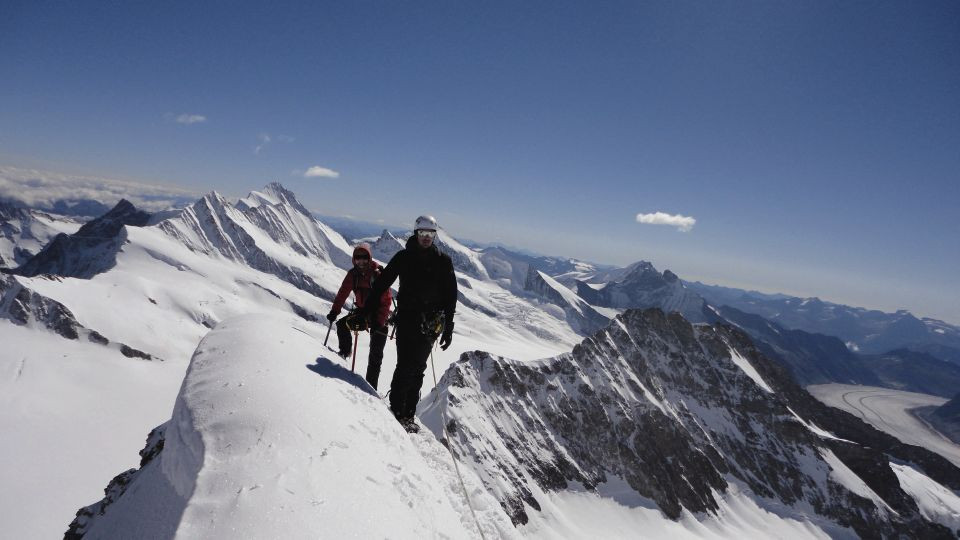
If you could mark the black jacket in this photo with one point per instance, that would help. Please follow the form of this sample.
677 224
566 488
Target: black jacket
427 281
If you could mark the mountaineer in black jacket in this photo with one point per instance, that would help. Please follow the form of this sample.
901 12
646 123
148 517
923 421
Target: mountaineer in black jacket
426 303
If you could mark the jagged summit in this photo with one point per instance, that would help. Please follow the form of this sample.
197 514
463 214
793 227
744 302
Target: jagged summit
386 246
267 439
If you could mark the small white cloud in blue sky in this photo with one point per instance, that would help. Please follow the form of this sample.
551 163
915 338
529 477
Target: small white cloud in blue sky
682 223
320 172
266 138
191 119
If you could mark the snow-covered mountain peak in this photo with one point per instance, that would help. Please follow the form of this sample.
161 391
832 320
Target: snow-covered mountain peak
91 250
386 246
272 194
642 286
260 230
109 224
267 439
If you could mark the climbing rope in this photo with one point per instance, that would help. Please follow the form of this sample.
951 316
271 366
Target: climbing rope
456 466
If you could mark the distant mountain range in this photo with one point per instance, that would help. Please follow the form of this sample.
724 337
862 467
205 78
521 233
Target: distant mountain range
863 330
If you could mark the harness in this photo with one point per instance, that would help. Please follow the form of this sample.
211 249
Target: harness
432 323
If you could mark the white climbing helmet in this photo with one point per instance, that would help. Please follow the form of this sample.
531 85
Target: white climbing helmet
426 222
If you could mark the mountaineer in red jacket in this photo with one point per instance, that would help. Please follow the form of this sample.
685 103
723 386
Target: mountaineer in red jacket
358 280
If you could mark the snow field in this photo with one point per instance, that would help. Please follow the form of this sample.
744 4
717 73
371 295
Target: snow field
74 415
270 441
588 516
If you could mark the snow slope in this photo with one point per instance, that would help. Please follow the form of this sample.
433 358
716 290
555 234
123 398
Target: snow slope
73 414
268 441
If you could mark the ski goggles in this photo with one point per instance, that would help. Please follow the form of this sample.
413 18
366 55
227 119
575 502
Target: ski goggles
425 233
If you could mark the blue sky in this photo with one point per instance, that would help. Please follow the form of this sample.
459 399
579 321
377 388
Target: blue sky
817 144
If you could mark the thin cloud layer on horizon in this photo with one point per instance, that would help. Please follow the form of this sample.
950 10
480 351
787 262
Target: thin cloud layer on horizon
44 189
682 223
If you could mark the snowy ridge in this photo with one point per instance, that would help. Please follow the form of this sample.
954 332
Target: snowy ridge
269 440
582 317
464 259
660 405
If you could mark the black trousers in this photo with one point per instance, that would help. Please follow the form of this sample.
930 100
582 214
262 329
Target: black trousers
378 338
413 349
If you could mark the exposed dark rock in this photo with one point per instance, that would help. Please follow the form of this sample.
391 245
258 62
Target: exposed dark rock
116 488
97 337
130 352
24 306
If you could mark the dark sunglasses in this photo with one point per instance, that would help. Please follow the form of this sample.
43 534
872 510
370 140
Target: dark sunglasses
361 256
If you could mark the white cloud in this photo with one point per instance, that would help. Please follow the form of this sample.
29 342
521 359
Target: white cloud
191 119
320 172
44 189
682 223
264 139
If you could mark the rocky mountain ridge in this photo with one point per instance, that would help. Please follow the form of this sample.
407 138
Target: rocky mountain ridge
679 412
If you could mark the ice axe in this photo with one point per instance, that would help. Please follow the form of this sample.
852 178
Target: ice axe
329 326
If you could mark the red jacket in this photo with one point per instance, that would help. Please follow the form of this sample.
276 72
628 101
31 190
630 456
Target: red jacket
359 284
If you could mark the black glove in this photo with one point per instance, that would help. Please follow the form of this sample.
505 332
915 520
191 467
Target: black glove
447 335
332 316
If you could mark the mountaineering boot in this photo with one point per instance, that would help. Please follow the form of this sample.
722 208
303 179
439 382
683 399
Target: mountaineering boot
408 422
410 425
